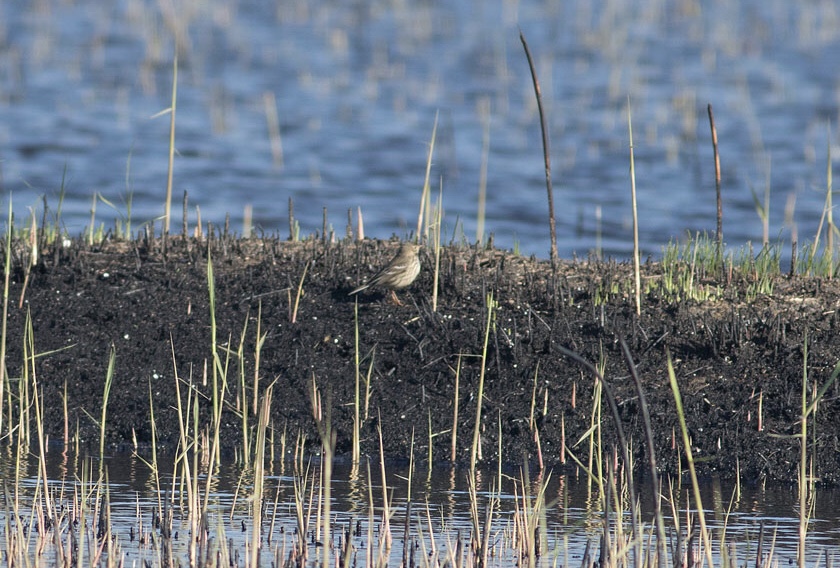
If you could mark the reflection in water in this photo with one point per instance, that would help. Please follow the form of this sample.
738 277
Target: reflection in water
435 517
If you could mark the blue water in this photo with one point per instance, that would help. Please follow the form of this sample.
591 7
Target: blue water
357 86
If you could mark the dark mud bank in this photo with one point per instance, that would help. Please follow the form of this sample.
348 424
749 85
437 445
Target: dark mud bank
739 360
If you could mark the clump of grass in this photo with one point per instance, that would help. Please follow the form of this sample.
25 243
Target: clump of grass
814 262
684 269
767 267
530 518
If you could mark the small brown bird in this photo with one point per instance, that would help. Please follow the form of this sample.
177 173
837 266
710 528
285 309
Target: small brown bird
397 274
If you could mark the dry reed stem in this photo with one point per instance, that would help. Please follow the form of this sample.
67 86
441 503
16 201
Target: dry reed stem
636 251
168 203
719 230
552 229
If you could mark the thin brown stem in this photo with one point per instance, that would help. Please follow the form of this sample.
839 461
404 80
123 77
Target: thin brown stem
546 152
719 232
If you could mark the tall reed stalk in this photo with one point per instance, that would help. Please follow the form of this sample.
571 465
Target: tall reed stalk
456 390
719 229
481 527
260 341
805 487
385 541
806 482
38 404
490 305
218 372
357 421
829 207
689 458
323 421
484 115
242 404
259 476
7 267
552 228
109 381
425 197
168 203
636 251
436 240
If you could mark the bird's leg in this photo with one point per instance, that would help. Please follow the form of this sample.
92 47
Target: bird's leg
392 297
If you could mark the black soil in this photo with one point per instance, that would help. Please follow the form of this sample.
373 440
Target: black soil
739 360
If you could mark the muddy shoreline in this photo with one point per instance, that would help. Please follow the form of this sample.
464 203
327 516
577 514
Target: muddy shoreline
738 359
